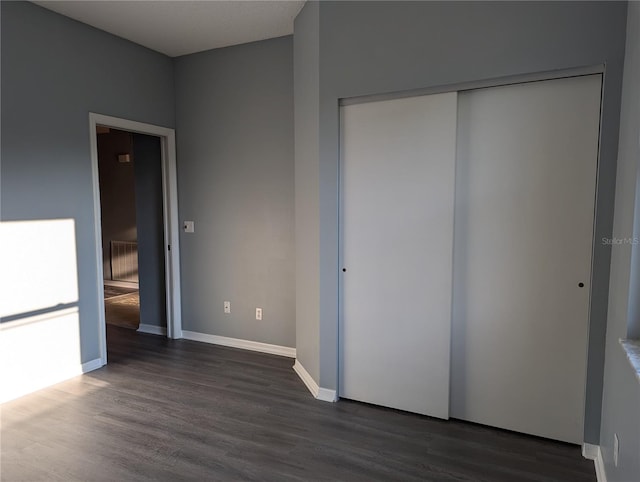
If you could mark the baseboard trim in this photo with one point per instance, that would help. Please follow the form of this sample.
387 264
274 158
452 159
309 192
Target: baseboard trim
593 452
590 451
92 365
152 329
601 474
239 343
54 380
306 378
327 395
323 394
121 284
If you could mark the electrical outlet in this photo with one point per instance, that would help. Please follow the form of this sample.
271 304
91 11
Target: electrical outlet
258 313
616 449
227 307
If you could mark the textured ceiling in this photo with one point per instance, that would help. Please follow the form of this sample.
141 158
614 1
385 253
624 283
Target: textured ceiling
183 27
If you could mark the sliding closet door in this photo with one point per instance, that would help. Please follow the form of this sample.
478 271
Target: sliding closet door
398 167
525 191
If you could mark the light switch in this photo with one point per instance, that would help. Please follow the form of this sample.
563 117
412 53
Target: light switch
188 227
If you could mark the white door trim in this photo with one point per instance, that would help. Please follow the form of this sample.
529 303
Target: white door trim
170 214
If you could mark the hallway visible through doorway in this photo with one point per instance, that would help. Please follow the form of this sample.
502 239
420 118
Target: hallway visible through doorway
131 205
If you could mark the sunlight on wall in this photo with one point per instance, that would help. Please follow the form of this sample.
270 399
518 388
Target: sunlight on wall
39 270
39 333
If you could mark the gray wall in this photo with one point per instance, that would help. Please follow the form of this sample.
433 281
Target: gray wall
629 151
117 193
234 116
147 159
54 72
306 61
375 47
621 398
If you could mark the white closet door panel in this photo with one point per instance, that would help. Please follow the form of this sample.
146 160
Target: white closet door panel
398 168
526 172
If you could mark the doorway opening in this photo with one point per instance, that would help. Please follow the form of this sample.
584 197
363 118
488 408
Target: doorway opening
118 176
136 227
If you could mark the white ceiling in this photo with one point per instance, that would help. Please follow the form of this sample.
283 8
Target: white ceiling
179 27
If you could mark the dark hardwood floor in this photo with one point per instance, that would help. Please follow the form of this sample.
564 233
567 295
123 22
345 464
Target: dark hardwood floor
181 410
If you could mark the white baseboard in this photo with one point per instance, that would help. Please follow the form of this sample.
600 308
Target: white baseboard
590 451
50 380
238 343
323 394
306 378
601 475
92 365
152 329
327 395
593 452
121 284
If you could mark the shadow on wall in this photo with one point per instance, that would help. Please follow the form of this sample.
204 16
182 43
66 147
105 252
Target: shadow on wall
39 315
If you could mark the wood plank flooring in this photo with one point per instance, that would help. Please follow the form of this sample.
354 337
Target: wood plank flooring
123 310
182 410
